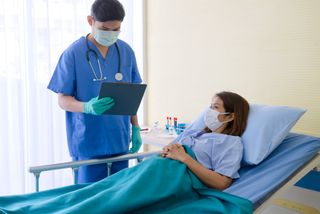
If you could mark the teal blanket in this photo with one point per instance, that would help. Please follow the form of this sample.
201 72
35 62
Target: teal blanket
157 185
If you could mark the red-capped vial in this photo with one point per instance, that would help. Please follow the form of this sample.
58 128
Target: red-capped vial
175 122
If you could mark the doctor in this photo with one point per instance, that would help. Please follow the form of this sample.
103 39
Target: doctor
99 56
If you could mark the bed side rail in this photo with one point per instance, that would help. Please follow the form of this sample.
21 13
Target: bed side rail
36 170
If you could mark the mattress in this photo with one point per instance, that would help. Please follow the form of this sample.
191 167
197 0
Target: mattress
257 183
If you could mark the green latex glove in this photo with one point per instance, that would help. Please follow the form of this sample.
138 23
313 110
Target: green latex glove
97 106
135 139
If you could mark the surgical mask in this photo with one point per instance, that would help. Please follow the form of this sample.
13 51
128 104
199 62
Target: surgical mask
106 37
211 119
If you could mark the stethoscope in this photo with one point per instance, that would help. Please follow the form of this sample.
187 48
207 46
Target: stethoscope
118 76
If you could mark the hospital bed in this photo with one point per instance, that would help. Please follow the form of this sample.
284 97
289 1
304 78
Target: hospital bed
294 158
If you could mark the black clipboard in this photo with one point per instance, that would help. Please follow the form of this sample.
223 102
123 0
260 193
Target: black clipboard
127 97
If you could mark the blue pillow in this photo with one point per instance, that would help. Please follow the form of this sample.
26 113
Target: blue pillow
266 128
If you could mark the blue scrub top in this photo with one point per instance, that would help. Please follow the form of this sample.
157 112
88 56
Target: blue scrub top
218 152
89 135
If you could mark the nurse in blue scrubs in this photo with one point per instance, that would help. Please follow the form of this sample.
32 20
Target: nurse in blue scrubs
83 66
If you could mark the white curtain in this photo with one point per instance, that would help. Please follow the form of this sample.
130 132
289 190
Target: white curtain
33 34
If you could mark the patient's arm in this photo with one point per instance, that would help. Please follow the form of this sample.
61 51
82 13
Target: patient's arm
211 178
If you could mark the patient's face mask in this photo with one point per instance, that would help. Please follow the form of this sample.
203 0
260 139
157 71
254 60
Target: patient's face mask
105 37
211 119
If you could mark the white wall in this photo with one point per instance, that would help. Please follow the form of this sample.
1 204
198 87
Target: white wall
267 51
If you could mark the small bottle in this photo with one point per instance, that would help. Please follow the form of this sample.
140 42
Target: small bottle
156 128
168 124
175 123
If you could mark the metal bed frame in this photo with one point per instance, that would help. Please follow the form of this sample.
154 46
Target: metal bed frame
74 165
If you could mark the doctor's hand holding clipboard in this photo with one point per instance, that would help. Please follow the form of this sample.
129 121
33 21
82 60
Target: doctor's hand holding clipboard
128 98
97 106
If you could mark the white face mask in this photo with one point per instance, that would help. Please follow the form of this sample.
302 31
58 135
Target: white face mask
211 119
105 37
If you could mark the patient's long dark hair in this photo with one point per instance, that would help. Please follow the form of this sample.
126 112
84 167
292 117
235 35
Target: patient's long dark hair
236 104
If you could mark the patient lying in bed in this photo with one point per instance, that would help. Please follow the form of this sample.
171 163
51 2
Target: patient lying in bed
218 147
176 181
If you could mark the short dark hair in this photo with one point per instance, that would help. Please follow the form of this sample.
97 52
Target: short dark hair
234 103
107 10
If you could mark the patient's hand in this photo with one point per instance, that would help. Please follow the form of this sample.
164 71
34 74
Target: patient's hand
166 148
174 151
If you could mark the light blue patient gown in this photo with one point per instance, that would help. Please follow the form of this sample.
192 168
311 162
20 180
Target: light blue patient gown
91 136
218 152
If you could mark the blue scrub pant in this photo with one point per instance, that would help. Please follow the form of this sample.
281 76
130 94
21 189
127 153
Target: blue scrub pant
93 173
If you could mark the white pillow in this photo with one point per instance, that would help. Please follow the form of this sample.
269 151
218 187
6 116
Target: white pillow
266 128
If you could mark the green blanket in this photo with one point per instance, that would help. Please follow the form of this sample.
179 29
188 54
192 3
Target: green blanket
157 185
